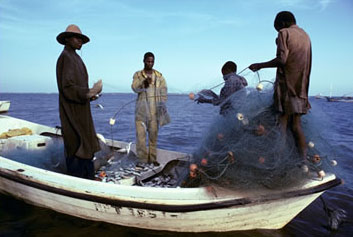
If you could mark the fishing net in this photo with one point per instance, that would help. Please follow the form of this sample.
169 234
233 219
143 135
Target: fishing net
246 149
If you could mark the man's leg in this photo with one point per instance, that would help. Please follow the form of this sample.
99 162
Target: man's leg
141 148
73 167
283 122
152 141
299 135
87 168
82 168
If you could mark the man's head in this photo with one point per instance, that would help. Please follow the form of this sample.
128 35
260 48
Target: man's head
74 42
73 37
148 60
229 67
284 19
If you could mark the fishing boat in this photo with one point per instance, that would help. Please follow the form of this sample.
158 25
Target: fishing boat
4 106
347 99
199 209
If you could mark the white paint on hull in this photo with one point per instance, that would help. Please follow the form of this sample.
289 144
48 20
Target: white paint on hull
268 215
4 106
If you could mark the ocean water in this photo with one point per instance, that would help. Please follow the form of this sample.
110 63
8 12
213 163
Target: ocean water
189 124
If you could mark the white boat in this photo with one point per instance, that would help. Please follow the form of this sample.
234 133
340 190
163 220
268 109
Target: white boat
4 106
169 209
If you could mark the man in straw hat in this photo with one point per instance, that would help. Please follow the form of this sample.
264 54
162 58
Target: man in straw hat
78 130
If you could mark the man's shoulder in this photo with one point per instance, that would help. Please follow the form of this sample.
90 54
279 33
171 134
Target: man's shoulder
138 73
158 74
293 29
65 54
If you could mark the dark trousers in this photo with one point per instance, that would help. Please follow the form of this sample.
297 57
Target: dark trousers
82 168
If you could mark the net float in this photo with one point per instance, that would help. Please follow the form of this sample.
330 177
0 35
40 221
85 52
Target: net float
311 144
102 174
192 174
316 158
260 130
191 96
111 121
259 87
261 160
231 157
220 136
333 162
321 174
193 167
240 116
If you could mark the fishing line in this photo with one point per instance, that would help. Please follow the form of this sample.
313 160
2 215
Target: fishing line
113 119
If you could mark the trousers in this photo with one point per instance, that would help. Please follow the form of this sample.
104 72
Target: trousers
141 149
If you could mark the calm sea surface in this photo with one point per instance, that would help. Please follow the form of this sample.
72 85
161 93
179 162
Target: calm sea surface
189 123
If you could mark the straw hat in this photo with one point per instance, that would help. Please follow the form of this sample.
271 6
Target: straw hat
71 30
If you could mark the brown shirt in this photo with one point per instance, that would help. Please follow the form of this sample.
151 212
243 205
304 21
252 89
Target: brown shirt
75 112
292 80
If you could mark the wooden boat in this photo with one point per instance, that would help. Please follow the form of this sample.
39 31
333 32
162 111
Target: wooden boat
171 209
4 106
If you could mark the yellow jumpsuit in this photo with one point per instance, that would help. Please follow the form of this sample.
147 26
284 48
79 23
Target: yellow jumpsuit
150 113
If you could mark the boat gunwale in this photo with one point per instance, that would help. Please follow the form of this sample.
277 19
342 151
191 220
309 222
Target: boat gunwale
213 204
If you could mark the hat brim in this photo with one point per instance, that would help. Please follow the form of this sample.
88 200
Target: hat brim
62 36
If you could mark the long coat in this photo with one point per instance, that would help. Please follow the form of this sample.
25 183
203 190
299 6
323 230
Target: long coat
75 112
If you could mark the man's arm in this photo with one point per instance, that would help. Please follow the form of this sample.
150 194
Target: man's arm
276 62
138 83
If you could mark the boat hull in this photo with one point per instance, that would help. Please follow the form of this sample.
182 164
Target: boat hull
171 209
191 210
4 106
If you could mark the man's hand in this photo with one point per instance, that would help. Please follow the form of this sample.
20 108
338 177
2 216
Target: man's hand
201 99
147 82
96 89
255 67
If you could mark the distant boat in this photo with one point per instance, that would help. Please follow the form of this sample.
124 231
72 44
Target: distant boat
4 106
318 96
348 99
343 98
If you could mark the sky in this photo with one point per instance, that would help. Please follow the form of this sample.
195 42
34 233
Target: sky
191 40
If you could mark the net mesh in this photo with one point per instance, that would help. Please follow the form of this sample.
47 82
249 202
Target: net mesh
246 149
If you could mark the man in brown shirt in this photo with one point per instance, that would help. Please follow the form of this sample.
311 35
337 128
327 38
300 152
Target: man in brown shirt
293 63
78 130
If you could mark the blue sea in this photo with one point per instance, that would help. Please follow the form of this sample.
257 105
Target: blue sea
190 122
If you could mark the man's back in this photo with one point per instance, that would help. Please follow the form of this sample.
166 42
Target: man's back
294 48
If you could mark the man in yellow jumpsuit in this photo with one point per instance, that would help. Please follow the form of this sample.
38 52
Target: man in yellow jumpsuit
150 112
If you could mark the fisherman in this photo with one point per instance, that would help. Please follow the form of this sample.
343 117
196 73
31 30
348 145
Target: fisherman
293 63
233 83
151 111
78 130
